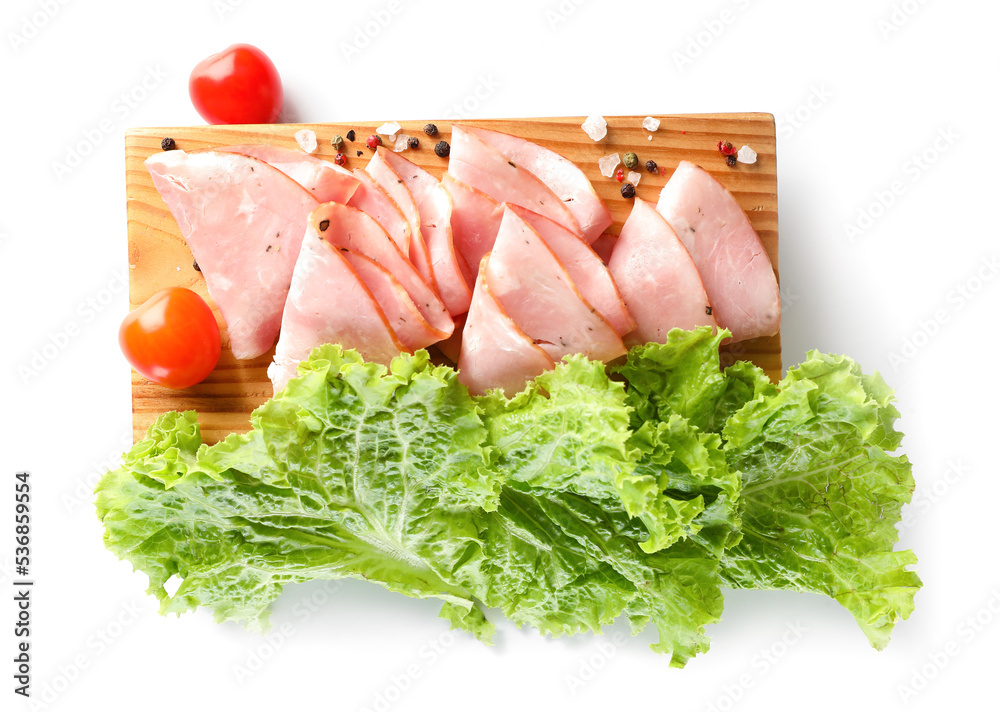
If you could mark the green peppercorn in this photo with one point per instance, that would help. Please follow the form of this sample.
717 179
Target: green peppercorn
337 141
630 160
651 166
628 190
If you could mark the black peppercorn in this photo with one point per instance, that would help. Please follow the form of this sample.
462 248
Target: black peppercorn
195 265
628 190
730 161
431 130
412 142
651 166
350 135
442 149
168 144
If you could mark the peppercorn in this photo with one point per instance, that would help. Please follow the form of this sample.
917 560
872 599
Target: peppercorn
412 142
195 265
350 135
431 130
442 149
651 166
168 144
730 161
628 190
361 153
630 160
337 141
374 141
340 159
726 148
619 175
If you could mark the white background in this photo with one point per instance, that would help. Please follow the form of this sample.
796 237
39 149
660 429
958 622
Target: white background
873 84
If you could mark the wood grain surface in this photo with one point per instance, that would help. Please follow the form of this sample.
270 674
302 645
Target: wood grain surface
159 257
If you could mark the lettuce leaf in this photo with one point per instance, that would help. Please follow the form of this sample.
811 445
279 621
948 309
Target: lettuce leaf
564 549
351 472
821 495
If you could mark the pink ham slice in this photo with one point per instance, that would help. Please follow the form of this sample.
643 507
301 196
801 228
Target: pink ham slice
395 187
409 325
244 221
329 303
475 220
585 268
323 179
481 166
495 353
451 272
657 278
733 264
561 175
536 291
370 198
354 230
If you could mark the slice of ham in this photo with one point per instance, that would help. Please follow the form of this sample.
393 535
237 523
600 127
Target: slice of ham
535 290
244 221
481 166
354 230
323 179
585 268
495 353
451 272
409 325
561 175
390 181
733 264
329 303
657 277
370 198
475 220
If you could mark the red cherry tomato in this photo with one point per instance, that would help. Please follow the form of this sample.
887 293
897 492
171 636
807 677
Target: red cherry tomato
239 85
172 339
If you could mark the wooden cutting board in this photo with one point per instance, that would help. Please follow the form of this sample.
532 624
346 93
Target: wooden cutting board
159 257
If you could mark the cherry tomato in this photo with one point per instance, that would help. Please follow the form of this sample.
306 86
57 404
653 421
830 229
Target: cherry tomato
172 339
239 85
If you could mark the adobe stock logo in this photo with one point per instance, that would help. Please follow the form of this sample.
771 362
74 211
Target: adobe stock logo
365 34
33 23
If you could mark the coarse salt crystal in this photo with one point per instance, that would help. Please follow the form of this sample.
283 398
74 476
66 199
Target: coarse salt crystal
650 124
633 177
306 138
607 164
650 137
595 127
401 143
389 128
746 155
